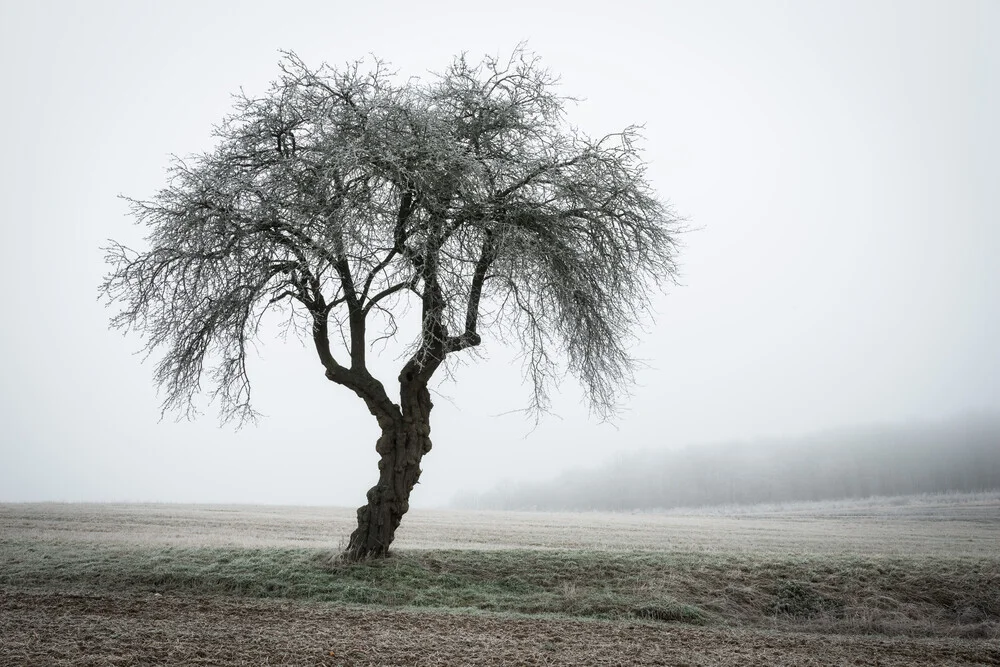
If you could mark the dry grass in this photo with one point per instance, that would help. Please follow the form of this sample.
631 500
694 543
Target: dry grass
932 596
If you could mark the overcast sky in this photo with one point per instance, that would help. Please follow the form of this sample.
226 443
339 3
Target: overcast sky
839 161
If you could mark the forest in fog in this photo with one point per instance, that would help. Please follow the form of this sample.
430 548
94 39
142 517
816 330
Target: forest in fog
958 455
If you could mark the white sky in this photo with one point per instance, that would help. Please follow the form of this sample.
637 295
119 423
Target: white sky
839 160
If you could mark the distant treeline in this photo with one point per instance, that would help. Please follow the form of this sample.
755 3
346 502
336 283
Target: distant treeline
960 455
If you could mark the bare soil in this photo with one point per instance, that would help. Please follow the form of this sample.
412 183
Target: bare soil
65 629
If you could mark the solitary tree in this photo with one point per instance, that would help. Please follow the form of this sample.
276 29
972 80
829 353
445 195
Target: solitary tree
342 196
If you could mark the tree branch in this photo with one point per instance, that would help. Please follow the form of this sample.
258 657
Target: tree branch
470 337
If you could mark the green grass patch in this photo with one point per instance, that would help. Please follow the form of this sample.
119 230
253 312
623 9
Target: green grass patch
919 596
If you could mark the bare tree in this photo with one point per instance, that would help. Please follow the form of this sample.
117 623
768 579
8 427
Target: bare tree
342 196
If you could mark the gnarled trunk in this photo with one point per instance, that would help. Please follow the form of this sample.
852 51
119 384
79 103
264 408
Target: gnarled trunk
401 446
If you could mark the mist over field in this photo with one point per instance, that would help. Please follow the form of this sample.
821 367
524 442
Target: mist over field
959 455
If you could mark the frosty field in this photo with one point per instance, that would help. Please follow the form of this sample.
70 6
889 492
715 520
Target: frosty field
900 581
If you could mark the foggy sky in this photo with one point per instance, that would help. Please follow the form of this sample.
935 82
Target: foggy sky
837 161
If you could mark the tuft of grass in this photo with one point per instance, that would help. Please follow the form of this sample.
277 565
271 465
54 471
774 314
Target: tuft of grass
672 611
797 598
846 594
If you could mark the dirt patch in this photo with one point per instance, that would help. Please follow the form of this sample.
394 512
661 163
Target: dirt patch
64 629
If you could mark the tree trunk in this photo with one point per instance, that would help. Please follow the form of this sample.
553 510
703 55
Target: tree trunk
401 446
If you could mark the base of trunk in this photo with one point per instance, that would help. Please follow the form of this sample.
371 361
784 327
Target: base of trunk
399 471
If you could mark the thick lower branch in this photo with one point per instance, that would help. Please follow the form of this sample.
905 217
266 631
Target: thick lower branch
357 379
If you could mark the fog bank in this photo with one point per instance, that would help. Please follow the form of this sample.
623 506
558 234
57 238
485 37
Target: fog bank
957 455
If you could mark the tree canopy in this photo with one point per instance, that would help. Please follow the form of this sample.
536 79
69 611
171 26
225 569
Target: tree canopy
344 192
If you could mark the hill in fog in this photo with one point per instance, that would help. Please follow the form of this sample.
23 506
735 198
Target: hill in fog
958 455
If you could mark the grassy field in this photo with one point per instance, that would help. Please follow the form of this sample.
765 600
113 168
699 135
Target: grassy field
884 581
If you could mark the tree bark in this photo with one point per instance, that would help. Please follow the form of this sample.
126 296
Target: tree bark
401 446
